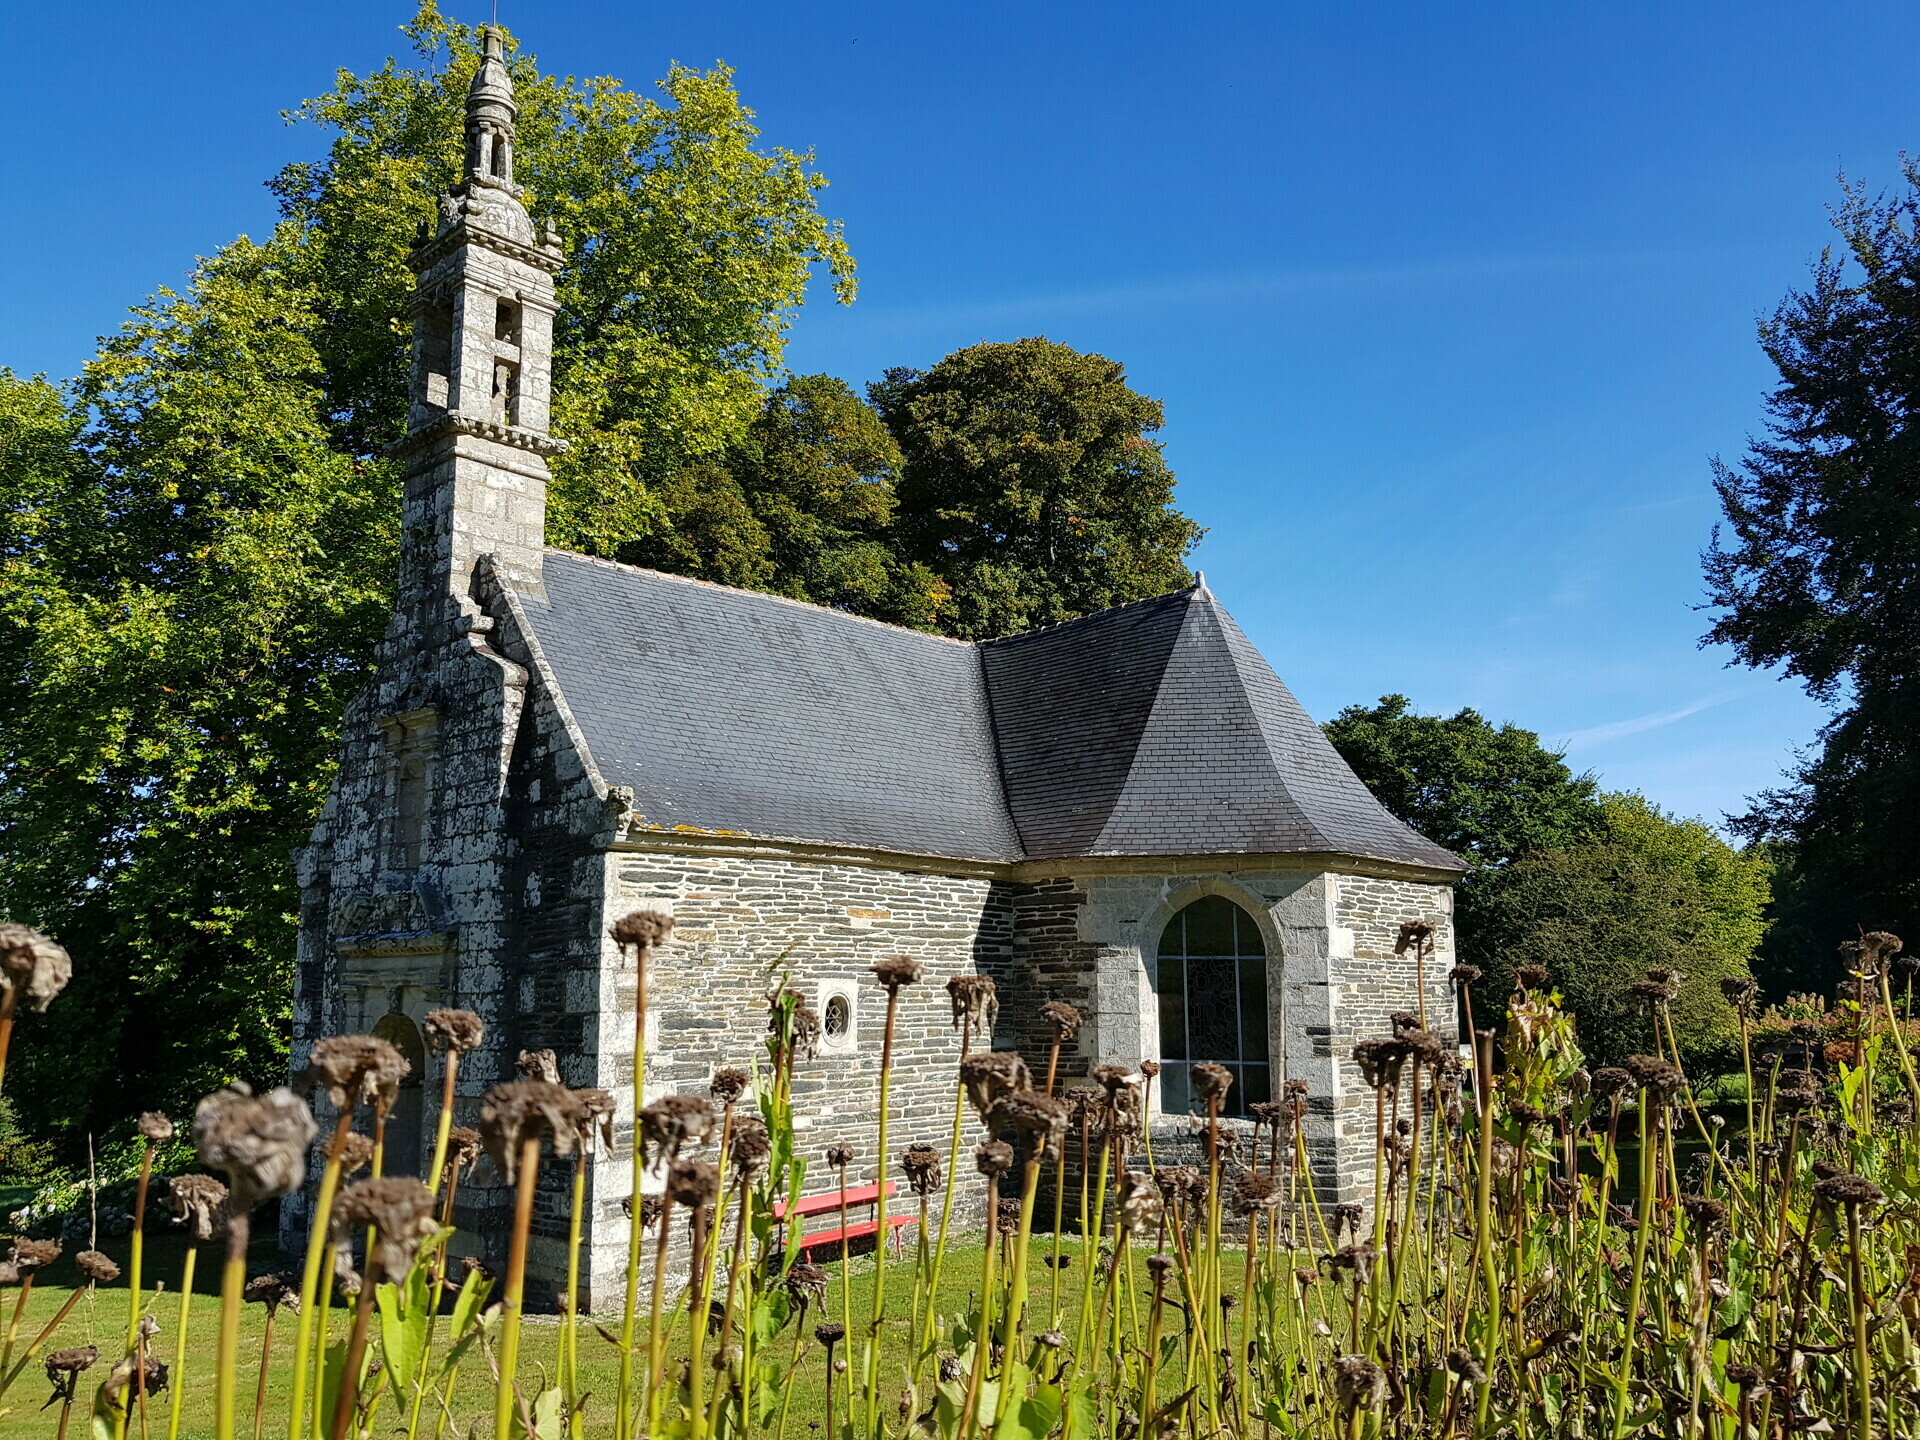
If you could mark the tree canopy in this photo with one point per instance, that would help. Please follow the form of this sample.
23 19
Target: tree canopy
1648 891
1029 486
1817 572
1598 888
199 538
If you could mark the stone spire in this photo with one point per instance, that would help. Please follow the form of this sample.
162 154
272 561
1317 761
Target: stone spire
482 312
490 114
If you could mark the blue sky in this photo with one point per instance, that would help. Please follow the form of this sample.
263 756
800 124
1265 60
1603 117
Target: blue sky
1449 305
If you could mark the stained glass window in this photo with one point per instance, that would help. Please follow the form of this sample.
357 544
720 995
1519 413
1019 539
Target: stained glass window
1211 977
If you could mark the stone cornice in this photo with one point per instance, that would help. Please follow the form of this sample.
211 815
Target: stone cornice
393 942
636 837
457 424
426 256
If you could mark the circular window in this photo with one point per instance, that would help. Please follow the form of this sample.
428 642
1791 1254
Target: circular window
838 1019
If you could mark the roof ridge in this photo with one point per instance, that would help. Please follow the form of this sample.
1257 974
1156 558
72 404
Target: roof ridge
1194 589
756 594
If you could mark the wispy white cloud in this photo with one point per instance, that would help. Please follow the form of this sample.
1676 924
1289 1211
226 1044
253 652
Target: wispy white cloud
1254 287
1614 730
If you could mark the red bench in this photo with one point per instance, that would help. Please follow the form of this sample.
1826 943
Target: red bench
863 1196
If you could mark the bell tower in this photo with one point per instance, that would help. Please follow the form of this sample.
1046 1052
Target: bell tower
482 310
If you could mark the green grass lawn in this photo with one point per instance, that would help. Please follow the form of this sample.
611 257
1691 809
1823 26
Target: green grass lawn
101 1319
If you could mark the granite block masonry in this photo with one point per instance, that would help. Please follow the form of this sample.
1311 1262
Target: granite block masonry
1128 812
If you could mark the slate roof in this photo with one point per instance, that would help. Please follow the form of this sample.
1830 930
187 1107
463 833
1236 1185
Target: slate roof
1152 729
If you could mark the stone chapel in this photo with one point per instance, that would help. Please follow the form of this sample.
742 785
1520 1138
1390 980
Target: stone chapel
1128 811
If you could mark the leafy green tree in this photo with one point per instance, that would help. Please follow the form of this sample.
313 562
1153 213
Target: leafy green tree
801 505
1030 488
688 250
1489 793
191 580
1818 572
1648 891
197 539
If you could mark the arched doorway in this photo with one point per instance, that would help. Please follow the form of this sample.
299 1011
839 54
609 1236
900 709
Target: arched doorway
1211 977
405 1123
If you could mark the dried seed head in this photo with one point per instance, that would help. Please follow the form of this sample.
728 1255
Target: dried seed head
830 1333
1109 1077
33 1254
1425 1048
896 971
1579 1083
260 1144
72 1361
673 1122
1158 1266
1210 1081
96 1267
1658 1078
1357 1257
1009 1216
539 1065
1848 1190
1530 977
807 1031
155 1128
1150 1068
1254 1192
357 1070
152 1373
988 1077
1413 934
519 1111
1739 989
950 1370
1705 1213
974 1001
597 1109
463 1147
993 1159
1380 1061
1526 1114
276 1292
1359 1383
806 1284
1176 1181
1745 1376
641 930
400 1210
751 1146
1464 975
922 1166
1879 945
1611 1080
729 1083
693 1183
199 1202
1461 1363
356 1152
1141 1207
1037 1120
1063 1018
32 965
458 1032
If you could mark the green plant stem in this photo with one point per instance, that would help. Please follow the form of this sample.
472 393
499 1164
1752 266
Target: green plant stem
443 1126
705 1238
177 1381
347 1402
655 1350
983 1329
569 1319
1643 1231
260 1385
870 1367
946 1207
1017 1296
503 1395
310 1277
1857 1299
636 1239
233 1284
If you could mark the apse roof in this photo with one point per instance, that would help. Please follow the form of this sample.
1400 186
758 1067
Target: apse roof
1151 729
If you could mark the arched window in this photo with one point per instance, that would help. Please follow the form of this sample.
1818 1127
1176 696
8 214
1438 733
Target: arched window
1212 980
406 1124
